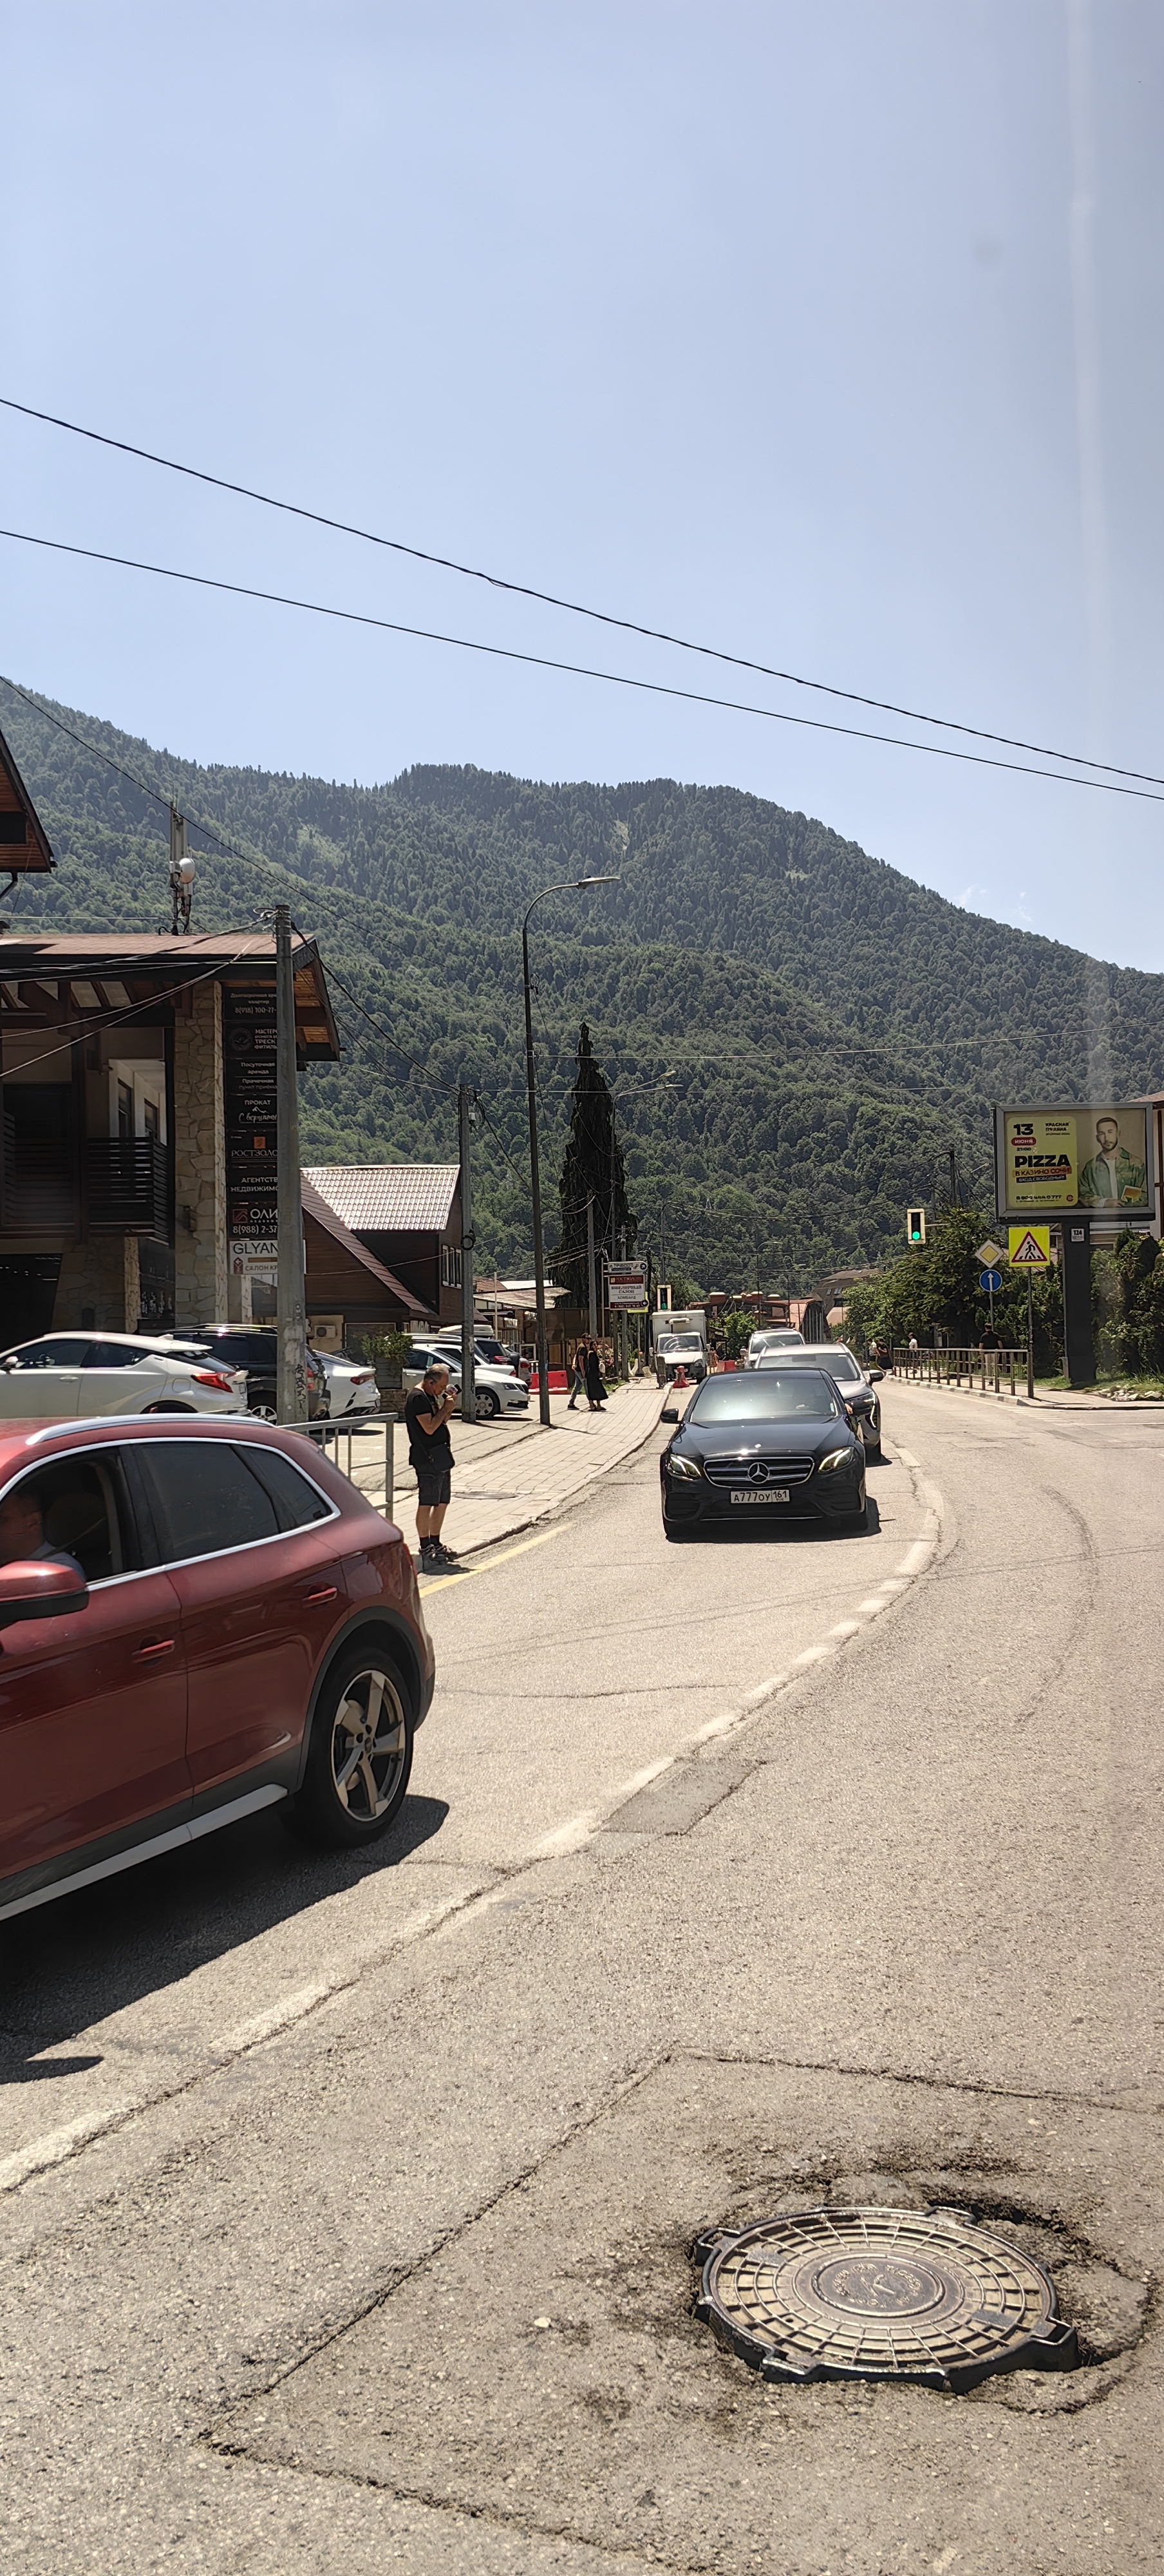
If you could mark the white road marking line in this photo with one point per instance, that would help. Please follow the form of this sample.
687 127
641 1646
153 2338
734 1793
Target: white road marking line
812 1655
916 1556
278 2016
59 2143
569 1837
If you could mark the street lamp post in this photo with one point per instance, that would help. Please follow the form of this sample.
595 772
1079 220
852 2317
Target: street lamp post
570 885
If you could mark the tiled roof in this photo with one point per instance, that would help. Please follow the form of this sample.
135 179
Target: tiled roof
315 1205
388 1198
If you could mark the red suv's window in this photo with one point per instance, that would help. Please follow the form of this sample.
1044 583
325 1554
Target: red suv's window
297 1502
204 1498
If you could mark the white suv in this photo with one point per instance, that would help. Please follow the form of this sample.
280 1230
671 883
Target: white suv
70 1373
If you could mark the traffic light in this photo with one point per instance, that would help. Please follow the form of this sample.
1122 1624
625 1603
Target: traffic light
915 1225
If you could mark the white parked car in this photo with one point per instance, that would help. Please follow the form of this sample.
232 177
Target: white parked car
351 1387
498 1390
70 1373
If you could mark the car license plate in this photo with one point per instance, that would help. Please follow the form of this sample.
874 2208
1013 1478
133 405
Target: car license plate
774 1494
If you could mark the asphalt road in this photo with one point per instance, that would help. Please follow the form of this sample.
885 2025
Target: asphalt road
349 2203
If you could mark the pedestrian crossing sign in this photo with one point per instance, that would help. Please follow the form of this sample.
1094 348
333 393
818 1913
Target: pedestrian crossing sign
1030 1247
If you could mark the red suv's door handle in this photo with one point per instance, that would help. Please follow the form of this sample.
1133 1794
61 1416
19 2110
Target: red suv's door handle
326 1592
153 1647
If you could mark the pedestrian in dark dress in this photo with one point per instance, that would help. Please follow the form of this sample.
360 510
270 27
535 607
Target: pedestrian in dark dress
595 1390
579 1386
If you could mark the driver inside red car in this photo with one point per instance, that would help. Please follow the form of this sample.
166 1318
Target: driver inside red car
22 1538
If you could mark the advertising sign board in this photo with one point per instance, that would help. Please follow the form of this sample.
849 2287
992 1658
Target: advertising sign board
1092 1156
248 1083
626 1286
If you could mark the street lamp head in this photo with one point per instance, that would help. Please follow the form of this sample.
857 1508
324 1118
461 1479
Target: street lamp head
589 881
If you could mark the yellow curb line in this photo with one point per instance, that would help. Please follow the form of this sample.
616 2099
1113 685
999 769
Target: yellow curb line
441 1582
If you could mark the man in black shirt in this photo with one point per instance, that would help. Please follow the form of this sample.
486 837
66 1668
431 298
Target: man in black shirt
430 1450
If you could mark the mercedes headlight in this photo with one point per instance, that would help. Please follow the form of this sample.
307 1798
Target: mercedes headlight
835 1458
687 1469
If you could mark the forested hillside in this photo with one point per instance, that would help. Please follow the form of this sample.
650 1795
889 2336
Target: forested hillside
834 1027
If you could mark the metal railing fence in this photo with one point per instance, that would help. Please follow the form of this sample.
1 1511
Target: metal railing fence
993 1371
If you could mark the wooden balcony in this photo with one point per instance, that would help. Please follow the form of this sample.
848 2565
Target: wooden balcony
127 1186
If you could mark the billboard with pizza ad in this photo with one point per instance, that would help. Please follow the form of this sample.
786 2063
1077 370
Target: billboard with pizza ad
1092 1157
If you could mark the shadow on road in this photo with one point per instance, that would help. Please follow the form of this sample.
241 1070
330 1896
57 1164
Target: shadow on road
83 1957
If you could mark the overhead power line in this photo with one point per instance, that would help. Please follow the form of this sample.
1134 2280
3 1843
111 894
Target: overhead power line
587 671
574 607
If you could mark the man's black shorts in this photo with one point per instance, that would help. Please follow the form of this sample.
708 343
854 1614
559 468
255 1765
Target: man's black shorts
433 1484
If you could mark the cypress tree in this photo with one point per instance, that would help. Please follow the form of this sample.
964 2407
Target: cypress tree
592 1163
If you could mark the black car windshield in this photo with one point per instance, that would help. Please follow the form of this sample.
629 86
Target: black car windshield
767 1395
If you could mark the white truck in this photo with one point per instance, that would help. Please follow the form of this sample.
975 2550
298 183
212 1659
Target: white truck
679 1336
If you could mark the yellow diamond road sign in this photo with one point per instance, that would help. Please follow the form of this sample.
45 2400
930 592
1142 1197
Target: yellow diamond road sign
1030 1247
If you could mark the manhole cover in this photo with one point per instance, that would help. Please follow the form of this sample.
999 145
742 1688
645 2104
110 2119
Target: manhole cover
922 2295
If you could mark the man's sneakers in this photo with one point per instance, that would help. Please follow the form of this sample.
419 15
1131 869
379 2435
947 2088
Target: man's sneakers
434 1558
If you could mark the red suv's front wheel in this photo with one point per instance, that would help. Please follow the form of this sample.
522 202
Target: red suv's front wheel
360 1754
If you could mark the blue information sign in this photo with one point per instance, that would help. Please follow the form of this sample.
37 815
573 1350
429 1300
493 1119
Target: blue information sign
991 1281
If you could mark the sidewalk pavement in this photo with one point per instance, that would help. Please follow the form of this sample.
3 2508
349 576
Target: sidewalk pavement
508 1474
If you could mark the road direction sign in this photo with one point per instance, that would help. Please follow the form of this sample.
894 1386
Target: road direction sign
990 1253
991 1281
626 1286
1030 1247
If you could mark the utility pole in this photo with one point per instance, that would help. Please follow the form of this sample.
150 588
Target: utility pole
466 1119
954 1199
292 1378
181 874
623 1360
592 1289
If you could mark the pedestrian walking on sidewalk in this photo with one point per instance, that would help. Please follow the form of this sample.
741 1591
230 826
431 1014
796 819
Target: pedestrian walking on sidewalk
579 1386
430 1451
595 1390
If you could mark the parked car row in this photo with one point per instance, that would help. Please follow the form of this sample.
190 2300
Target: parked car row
221 1368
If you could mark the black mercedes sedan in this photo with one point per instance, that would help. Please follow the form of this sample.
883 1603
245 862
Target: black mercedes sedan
771 1444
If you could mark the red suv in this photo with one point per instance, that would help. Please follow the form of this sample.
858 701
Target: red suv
197 1619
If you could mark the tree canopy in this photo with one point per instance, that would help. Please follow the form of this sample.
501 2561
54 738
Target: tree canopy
592 1173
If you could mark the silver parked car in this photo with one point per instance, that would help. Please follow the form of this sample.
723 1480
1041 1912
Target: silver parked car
855 1385
73 1373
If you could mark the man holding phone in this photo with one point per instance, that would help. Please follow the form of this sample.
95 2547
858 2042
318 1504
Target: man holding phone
427 1414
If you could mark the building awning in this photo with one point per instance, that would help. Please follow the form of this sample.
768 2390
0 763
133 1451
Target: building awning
93 980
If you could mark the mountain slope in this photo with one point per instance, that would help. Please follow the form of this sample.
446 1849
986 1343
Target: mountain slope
834 1027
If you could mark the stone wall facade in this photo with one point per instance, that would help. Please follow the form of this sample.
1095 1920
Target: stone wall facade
200 1241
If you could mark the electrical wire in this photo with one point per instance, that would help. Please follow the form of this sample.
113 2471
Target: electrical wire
574 607
587 671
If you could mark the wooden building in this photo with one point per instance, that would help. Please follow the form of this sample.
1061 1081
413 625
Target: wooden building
409 1216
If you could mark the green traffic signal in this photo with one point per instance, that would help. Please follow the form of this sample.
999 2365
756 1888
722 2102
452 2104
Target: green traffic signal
915 1225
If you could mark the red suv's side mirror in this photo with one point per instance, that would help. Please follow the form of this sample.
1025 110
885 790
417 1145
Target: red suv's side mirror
34 1589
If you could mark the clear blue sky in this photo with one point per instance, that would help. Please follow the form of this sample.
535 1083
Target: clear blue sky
832 335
